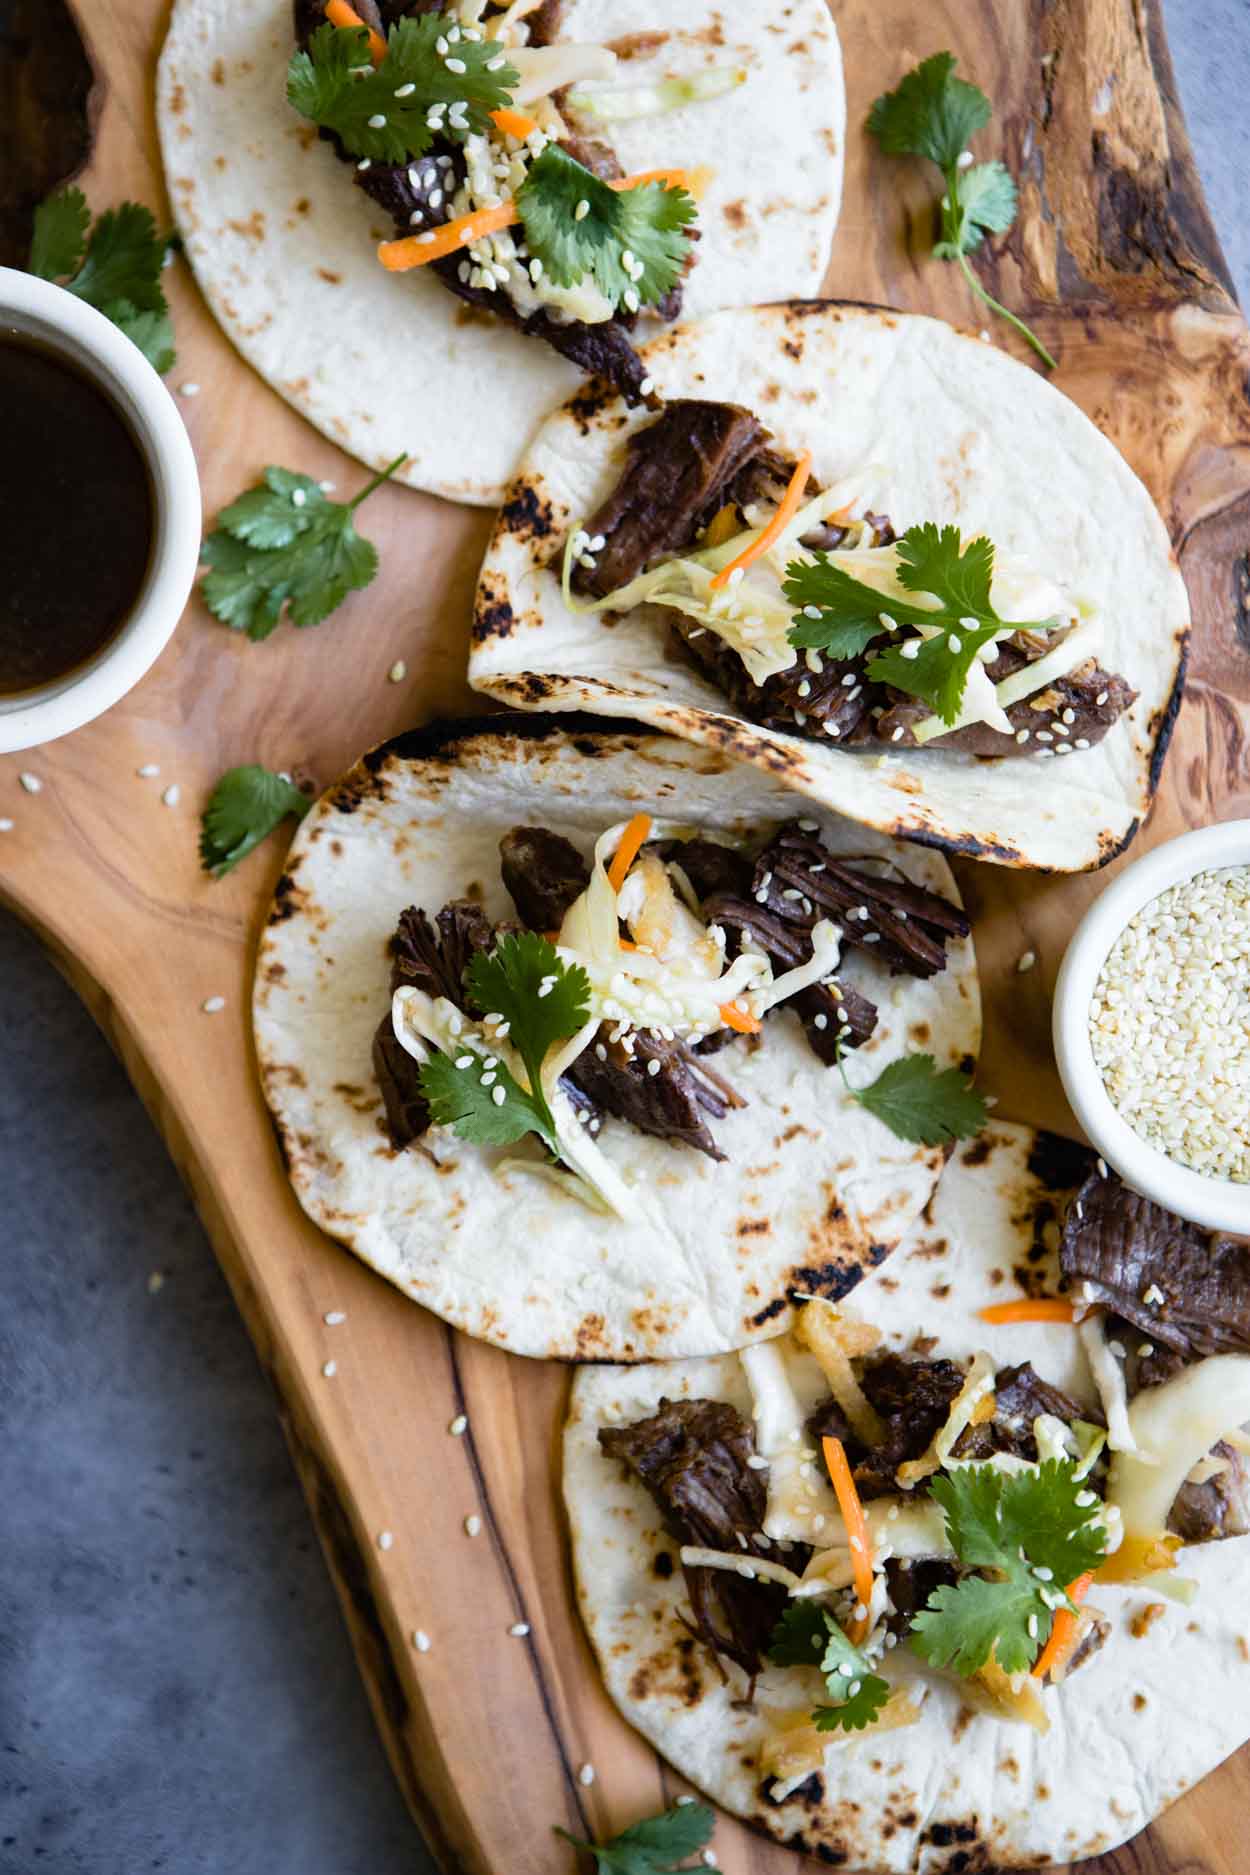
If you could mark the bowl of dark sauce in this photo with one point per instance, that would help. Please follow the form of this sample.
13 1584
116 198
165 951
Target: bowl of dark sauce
99 513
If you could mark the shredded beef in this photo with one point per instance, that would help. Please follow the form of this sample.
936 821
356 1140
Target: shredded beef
822 1008
676 469
398 1078
544 874
1073 711
670 1104
1204 1513
910 1585
692 1457
1097 1632
913 1399
434 960
1118 1247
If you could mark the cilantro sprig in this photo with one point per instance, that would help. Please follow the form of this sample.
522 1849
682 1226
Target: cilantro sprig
524 982
656 1843
631 242
243 809
418 92
115 266
920 1104
934 114
1030 1530
284 543
808 1636
934 561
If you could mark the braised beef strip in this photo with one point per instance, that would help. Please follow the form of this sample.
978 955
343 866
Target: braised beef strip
420 195
434 958
701 458
692 1456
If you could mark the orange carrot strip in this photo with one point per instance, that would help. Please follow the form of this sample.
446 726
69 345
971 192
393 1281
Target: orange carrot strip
631 844
417 250
786 511
340 14
1030 1309
739 1019
694 181
514 123
856 1526
1062 1629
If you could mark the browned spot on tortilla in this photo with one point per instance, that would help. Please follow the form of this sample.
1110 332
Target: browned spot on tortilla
591 1337
736 214
672 1672
473 315
333 279
275 972
288 898
930 1248
713 34
307 134
1011 1765
493 616
528 515
940 1290
1139 1702
978 1152
763 1171
753 1227
887 1282
996 1277
286 1074
1145 1618
797 1131
919 1033
963 1719
770 393
1243 1647
253 229
632 45
793 348
177 101
303 205
219 162
218 73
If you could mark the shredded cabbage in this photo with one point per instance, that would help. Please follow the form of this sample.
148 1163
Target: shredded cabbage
1175 1423
1109 1379
666 94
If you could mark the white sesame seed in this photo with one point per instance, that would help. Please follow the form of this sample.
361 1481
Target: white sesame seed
212 1004
333 1318
397 672
172 795
330 1369
1025 962
377 121
405 91
327 488
646 387
459 1426
472 1526
188 390
148 770
385 1539
421 1640
499 1095
6 825
709 1859
684 1799
366 162
156 1282
519 1630
582 210
586 1775
31 783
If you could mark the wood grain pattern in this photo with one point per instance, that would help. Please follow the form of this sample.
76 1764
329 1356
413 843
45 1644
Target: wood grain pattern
1116 262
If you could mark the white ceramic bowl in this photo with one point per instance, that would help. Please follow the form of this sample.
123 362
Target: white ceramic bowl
84 337
1216 1203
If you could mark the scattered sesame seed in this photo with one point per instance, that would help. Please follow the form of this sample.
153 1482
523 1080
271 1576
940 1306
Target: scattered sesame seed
156 1282
499 1095
6 826
519 1630
459 1426
333 1318
709 1859
31 783
586 1775
646 387
421 1640
212 1004
1025 962
385 1539
405 91
366 162
377 121
397 672
148 770
582 210
172 795
330 1369
472 1526
188 390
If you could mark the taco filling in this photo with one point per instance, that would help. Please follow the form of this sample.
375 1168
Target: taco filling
465 125
626 981
815 618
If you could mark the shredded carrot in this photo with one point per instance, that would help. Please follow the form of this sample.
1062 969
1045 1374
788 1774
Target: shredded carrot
1062 1629
418 250
856 1526
693 181
514 123
340 14
786 511
631 844
739 1019
1030 1309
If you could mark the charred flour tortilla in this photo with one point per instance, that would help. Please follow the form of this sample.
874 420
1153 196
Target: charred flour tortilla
940 428
813 1191
1133 1725
284 247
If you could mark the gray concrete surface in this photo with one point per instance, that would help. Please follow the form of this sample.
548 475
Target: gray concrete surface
176 1690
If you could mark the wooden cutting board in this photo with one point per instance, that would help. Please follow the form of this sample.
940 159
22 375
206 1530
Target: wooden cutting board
1115 261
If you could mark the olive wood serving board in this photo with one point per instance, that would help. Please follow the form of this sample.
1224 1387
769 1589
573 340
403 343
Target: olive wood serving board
1114 260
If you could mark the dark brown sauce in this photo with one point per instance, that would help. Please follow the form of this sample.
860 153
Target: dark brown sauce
76 516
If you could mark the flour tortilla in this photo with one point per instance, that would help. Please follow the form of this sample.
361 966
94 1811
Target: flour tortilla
283 244
1132 1730
963 434
814 1191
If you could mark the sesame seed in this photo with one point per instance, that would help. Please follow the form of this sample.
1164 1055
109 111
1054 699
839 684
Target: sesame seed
586 1775
519 1630
653 1067
397 672
377 121
188 390
955 642
172 795
6 825
496 64
684 1799
421 1640
366 162
212 1004
156 1282
472 1526
1025 962
31 783
709 1859
459 1426
333 1318
148 770
327 488
1069 716
631 299
385 1539
582 210
405 91
499 1095
330 1369
646 387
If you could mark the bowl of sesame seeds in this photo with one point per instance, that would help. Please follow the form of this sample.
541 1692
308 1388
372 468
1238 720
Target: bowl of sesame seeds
1152 1025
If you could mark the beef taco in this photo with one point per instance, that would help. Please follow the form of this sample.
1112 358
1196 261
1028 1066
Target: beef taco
422 223
599 1045
925 1583
894 567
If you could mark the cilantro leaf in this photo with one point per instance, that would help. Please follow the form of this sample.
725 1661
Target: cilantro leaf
60 235
283 544
543 1000
937 672
646 223
808 1636
335 84
117 269
655 1844
985 203
243 809
919 1104
1029 1528
849 617
933 114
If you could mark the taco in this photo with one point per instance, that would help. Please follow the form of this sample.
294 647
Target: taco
560 1030
894 567
1014 1631
323 157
